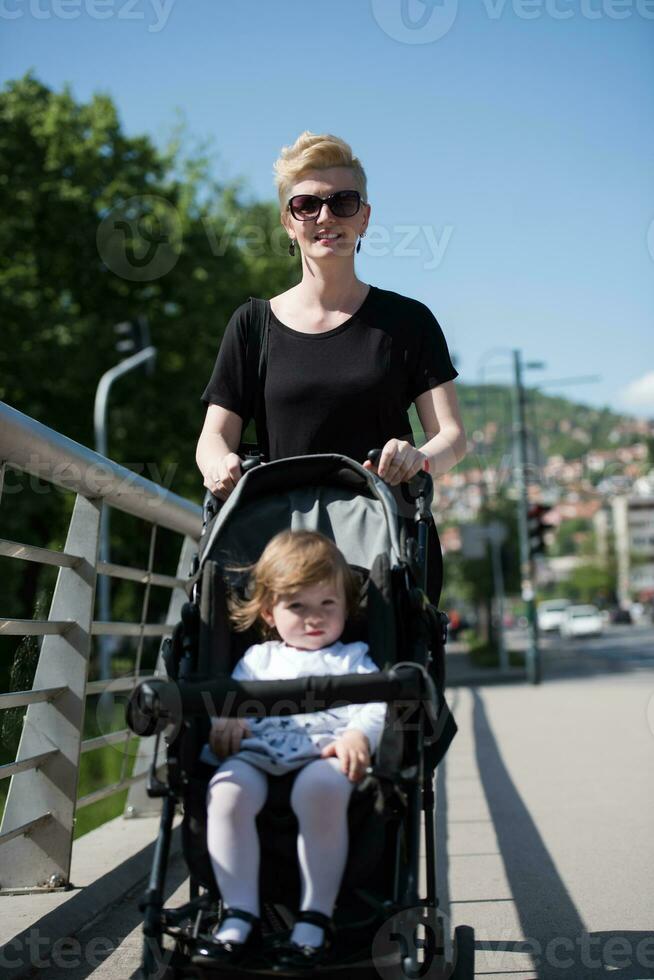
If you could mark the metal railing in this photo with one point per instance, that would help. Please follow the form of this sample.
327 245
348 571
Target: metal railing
38 821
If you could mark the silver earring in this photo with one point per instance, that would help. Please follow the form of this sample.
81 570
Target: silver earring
359 242
291 247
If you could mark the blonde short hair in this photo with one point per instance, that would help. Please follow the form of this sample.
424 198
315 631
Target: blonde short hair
290 561
316 152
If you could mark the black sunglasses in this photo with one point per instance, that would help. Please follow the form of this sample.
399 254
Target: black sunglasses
342 204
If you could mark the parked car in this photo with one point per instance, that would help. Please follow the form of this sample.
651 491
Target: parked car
550 613
582 621
621 615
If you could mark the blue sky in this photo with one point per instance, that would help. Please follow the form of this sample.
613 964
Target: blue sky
508 146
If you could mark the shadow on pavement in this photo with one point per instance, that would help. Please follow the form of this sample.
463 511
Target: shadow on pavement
96 950
558 942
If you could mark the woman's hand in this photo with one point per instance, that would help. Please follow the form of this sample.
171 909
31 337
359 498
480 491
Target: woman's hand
353 749
222 477
398 462
226 734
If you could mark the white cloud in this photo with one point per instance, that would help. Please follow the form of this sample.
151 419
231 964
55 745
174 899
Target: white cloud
639 394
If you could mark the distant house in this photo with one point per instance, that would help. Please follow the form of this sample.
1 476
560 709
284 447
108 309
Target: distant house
633 527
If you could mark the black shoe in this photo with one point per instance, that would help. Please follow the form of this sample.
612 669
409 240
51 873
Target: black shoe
212 951
291 956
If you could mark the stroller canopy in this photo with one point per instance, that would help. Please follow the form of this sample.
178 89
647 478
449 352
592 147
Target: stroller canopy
328 493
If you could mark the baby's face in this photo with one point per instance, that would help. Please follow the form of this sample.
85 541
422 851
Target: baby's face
311 618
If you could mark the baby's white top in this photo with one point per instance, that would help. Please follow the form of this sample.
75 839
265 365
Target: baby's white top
282 743
275 661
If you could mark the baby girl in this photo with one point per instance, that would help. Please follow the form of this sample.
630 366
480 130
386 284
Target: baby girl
301 592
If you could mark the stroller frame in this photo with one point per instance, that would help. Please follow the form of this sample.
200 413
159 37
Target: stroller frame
410 792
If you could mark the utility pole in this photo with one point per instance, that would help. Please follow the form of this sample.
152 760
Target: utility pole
526 560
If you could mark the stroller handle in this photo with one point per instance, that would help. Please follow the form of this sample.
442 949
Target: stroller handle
211 503
420 485
157 703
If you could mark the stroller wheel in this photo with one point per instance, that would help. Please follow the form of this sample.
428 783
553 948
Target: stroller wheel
154 964
464 953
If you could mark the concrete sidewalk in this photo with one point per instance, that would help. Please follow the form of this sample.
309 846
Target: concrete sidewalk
545 805
544 839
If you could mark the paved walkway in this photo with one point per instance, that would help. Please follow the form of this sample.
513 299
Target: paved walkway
547 796
545 844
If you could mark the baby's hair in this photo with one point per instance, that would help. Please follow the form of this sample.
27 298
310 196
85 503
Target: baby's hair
290 561
312 151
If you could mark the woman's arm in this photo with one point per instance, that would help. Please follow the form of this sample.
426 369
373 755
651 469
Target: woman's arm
438 411
216 452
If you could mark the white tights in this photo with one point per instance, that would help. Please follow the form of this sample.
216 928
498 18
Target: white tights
319 798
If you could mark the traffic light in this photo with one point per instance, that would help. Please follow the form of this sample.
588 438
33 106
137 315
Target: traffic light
134 335
537 528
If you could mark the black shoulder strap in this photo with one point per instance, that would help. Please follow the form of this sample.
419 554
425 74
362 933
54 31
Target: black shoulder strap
256 363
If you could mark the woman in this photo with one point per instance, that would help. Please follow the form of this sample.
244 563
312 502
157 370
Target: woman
346 359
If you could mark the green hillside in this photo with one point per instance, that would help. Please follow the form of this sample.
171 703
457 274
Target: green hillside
555 424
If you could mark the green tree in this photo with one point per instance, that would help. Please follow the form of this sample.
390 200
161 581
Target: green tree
650 451
68 175
592 582
572 537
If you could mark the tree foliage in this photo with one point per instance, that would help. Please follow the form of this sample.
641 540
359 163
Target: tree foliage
593 582
66 170
556 426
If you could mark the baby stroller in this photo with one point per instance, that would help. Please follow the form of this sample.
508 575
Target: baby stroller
385 925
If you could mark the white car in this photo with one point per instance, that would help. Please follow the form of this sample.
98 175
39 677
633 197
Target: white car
582 621
550 614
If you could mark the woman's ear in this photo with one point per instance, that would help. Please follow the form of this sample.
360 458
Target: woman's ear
286 222
366 210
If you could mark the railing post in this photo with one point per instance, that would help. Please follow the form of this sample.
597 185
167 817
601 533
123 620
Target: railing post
138 802
42 858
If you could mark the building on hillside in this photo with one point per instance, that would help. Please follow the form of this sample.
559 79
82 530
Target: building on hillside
575 510
633 527
603 528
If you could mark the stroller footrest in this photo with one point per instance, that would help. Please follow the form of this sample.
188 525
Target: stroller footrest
174 917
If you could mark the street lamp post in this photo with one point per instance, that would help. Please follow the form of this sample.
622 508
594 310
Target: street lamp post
145 356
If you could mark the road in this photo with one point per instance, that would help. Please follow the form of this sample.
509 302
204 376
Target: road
618 648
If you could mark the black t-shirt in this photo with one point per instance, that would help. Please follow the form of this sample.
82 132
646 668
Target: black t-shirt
347 390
